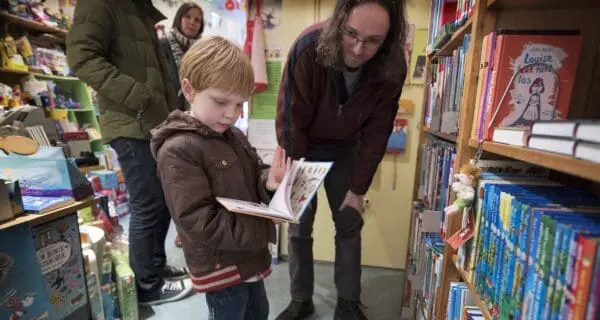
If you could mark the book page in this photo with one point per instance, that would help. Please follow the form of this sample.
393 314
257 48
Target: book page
306 183
251 208
281 198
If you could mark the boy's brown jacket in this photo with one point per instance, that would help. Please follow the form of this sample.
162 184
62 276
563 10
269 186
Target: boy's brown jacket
195 165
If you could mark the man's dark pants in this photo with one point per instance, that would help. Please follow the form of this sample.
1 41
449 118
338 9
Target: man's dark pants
348 225
150 218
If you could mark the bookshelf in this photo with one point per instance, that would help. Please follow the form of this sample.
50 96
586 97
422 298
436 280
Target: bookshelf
441 135
487 16
464 278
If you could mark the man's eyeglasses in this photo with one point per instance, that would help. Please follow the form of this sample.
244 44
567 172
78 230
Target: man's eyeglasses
370 44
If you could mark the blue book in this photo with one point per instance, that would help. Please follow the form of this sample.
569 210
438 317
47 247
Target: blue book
38 204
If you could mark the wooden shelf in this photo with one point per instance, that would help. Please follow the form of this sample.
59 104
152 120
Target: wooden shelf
463 275
50 38
30 24
441 135
580 168
17 72
40 75
87 169
455 40
36 219
542 4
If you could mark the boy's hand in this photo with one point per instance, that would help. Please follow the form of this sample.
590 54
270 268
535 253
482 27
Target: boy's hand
279 167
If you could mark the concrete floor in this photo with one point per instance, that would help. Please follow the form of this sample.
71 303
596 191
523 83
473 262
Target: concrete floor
381 291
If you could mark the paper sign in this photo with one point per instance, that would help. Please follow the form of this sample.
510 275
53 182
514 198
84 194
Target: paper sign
261 134
264 104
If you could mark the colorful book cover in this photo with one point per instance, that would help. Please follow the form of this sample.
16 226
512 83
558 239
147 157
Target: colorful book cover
594 297
59 255
588 247
562 293
533 80
22 287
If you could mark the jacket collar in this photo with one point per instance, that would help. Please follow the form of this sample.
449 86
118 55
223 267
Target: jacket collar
151 10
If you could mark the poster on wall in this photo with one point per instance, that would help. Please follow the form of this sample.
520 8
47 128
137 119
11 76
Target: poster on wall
398 138
418 57
270 14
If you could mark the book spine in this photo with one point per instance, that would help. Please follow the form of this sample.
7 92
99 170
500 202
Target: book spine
572 280
476 241
522 259
492 92
586 264
556 251
528 299
594 298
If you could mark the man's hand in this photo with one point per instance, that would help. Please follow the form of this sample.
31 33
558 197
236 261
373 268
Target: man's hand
353 200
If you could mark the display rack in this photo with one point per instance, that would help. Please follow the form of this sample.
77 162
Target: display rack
489 15
86 114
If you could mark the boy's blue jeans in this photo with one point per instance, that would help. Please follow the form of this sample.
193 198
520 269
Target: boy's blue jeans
245 301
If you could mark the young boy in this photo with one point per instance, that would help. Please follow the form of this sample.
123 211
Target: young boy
200 156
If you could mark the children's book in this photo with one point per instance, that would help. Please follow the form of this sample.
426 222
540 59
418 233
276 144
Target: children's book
298 187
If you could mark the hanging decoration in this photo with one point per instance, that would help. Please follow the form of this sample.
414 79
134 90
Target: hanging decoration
255 48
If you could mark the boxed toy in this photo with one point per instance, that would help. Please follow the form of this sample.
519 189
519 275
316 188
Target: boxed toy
126 289
11 201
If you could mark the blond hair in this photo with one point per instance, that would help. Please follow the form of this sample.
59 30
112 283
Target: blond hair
215 62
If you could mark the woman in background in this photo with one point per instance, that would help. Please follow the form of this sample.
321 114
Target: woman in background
188 26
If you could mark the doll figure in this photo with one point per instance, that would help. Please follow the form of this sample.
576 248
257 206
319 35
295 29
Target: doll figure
464 186
532 110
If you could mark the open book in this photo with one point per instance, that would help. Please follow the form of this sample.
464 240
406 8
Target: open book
298 187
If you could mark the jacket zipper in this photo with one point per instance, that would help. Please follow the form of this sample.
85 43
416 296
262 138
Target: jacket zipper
339 111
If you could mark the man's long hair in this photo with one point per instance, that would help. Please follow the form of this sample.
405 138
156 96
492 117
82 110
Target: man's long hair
390 56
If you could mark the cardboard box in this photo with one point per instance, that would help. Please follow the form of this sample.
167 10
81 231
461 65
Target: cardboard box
11 202
126 290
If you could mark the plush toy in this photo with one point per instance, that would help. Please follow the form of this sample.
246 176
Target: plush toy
464 186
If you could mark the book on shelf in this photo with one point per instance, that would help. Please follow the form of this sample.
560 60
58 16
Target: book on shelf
459 300
528 75
552 144
445 90
516 136
296 190
446 18
577 138
45 204
527 256
436 174
581 129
